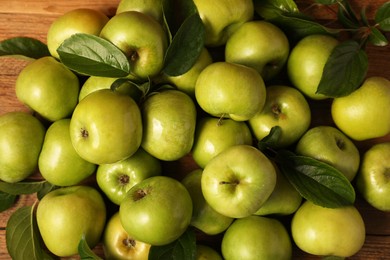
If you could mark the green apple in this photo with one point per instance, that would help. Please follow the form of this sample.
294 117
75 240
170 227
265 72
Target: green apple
261 45
149 7
329 145
285 107
213 135
156 210
222 17
49 88
204 252
21 140
120 245
225 89
204 217
117 178
238 181
106 127
324 231
306 62
256 237
284 200
141 38
66 214
58 162
80 20
365 113
169 121
372 180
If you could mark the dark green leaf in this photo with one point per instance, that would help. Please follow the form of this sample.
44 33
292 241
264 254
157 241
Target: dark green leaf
24 46
126 86
347 16
183 248
377 38
6 200
176 12
364 18
382 17
327 2
85 251
270 8
26 187
316 181
94 56
271 139
186 46
344 71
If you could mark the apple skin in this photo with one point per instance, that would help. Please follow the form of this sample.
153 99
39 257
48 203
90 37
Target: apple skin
204 252
328 144
261 45
169 122
328 231
119 245
157 210
231 90
285 107
117 178
372 178
221 18
256 237
153 8
204 217
109 133
306 63
58 161
141 38
21 140
365 113
80 20
48 87
67 213
213 135
238 181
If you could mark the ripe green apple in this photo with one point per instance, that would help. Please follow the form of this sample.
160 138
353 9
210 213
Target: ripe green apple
204 217
66 214
328 231
58 161
256 237
157 210
221 18
80 20
149 7
238 181
261 45
213 135
204 252
306 63
285 107
365 113
169 121
284 200
141 38
106 127
48 87
328 144
372 178
117 178
225 89
21 140
120 245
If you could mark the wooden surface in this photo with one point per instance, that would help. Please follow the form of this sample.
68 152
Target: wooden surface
33 17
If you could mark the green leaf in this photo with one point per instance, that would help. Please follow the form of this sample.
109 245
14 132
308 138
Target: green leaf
346 15
6 200
94 56
382 17
327 2
138 90
176 12
344 71
85 251
18 188
377 38
183 248
316 181
186 46
24 46
270 8
271 139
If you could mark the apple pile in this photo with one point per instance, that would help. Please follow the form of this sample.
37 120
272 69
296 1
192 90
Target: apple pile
225 85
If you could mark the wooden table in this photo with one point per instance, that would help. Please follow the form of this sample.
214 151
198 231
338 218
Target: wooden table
33 17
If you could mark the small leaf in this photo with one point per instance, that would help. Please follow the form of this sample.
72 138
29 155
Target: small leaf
316 181
271 139
85 251
363 17
19 188
382 17
346 16
135 90
270 8
377 38
344 71
183 248
24 46
94 56
6 200
176 12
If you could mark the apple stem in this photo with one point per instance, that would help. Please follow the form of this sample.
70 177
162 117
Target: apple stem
221 118
229 182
